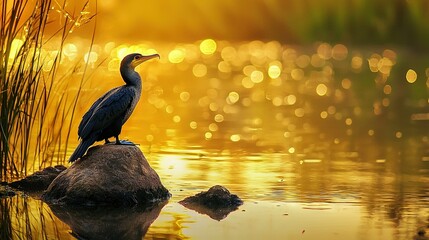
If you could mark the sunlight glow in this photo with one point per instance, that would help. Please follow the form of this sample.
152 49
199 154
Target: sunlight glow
199 70
274 71
208 46
411 76
176 56
257 76
321 89
15 47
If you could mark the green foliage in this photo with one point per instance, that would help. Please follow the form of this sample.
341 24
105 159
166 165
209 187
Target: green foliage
359 21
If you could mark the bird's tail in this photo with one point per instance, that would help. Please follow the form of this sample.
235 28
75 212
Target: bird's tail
81 149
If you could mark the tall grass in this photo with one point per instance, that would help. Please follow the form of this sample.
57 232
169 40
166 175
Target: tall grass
35 109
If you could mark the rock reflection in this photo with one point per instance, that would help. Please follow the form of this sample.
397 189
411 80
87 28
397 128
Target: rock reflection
108 223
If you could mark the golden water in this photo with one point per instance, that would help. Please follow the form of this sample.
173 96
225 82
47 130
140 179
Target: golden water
321 142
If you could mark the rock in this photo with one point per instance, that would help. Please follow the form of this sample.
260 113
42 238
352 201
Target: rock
108 174
104 222
217 202
38 181
5 191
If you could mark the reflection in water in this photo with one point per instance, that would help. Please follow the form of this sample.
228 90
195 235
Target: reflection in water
108 223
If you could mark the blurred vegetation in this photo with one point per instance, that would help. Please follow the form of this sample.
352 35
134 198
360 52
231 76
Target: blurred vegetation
369 22
361 21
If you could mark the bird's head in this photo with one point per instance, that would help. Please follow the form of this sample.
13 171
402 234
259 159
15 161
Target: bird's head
135 59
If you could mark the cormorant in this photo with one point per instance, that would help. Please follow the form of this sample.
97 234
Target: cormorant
107 115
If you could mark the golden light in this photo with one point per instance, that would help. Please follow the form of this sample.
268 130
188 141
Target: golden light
247 83
218 118
339 52
149 138
122 51
177 119
113 65
385 102
324 114
176 56
235 137
213 127
232 98
91 57
357 62
387 89
303 61
324 51
398 134
297 74
349 121
332 110
70 51
199 70
411 76
299 112
277 101
291 150
321 89
290 99
248 70
169 109
373 62
213 107
193 125
274 71
228 53
257 76
346 83
15 47
208 135
317 61
208 46
224 67
184 96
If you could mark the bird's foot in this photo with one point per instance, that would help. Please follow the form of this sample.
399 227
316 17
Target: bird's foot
125 142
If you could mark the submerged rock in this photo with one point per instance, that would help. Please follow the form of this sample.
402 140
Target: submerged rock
217 202
39 181
108 174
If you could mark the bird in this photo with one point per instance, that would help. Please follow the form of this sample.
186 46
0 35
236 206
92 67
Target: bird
107 115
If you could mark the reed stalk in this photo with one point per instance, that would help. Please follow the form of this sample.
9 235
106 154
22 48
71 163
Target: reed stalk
35 106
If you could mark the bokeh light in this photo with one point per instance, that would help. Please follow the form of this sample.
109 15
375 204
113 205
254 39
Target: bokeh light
208 46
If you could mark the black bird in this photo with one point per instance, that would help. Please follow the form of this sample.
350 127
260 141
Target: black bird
107 115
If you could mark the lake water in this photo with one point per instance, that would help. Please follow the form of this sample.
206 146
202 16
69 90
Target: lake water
320 142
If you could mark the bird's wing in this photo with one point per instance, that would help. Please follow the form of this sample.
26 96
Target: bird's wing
107 111
90 112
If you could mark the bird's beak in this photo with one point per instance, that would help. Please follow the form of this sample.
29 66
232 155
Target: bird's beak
144 59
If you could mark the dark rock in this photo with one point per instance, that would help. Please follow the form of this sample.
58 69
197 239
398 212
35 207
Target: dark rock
39 181
5 191
105 222
108 174
217 202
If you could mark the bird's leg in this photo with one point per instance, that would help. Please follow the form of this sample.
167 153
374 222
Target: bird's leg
123 142
118 142
106 141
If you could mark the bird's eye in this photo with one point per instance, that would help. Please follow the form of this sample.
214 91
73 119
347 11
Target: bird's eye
137 57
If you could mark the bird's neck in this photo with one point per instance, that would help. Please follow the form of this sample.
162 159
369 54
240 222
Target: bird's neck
131 77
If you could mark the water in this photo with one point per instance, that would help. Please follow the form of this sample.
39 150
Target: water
320 142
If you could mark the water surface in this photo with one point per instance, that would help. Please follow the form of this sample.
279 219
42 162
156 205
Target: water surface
320 142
